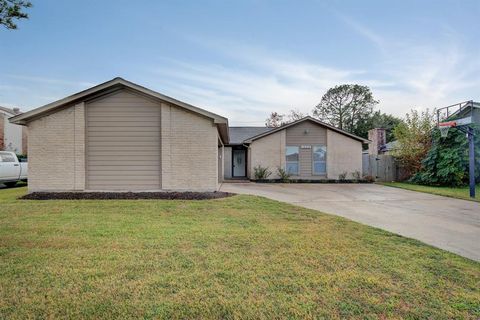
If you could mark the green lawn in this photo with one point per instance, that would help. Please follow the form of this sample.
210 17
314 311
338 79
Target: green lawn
239 257
460 193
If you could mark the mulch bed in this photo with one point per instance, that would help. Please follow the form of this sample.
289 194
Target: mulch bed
125 195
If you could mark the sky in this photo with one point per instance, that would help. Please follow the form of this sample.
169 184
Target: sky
245 59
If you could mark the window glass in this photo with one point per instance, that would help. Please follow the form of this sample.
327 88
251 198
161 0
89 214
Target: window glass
320 167
319 153
292 154
319 159
6 157
292 168
292 160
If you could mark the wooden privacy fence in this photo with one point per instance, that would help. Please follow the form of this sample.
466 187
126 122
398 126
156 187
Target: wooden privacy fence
381 167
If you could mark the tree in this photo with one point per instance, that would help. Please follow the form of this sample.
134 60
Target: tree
276 119
377 120
345 105
295 115
414 136
446 163
12 9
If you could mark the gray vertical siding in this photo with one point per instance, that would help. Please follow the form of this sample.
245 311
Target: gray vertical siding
123 142
306 133
305 162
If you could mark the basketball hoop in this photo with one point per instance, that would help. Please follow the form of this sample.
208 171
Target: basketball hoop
460 116
445 126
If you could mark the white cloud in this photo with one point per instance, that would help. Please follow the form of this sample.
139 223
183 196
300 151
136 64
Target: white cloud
257 81
364 31
427 73
251 81
51 81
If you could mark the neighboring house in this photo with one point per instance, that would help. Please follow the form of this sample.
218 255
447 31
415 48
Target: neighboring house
307 149
12 136
465 109
389 147
379 145
378 161
122 136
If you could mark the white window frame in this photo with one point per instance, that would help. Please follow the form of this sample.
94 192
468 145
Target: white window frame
297 162
323 161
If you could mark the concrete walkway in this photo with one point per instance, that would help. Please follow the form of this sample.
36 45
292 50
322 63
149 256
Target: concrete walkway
446 223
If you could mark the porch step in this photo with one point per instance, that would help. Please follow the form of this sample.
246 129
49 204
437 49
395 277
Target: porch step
236 181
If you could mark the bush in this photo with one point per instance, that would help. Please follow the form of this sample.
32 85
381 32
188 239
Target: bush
356 175
261 172
22 158
343 176
368 178
446 163
283 174
414 138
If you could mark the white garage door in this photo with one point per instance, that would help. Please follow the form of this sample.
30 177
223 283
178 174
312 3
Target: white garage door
123 143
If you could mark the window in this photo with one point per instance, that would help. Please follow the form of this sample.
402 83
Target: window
319 159
6 157
292 160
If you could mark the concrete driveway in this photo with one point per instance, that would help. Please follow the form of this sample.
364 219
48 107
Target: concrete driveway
446 223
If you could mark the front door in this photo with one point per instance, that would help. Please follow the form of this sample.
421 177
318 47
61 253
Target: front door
239 163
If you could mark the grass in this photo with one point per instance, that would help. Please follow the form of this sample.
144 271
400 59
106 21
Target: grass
459 193
239 257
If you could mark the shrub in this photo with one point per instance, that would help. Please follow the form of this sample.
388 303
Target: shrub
414 139
261 172
368 178
343 176
446 163
283 174
356 175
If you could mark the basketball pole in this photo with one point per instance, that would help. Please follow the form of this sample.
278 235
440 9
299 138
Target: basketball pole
471 161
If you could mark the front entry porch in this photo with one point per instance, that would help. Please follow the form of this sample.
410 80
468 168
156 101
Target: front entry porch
236 162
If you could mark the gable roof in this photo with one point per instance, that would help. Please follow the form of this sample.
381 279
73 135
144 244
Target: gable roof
8 110
307 118
392 145
118 83
239 134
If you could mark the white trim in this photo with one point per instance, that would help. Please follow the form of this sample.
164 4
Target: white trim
106 85
259 136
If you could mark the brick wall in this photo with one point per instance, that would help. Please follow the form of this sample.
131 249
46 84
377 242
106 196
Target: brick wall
189 150
378 138
268 152
56 147
344 154
56 160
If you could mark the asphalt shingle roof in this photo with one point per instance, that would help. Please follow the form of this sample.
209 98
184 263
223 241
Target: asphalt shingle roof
240 134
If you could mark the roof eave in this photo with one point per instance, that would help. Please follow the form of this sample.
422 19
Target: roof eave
223 132
25 117
285 126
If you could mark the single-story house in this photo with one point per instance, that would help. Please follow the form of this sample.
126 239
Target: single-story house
12 136
122 136
308 149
